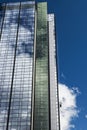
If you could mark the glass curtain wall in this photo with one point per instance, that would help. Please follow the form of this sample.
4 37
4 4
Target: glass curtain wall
16 66
41 111
8 39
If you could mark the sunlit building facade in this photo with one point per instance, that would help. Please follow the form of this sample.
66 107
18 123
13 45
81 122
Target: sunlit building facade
28 75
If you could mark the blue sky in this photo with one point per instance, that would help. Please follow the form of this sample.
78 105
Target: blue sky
72 46
71 23
72 42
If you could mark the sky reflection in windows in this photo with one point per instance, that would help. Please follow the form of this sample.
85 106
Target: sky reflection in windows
20 109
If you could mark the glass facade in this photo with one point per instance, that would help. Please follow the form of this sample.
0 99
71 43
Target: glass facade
16 66
41 110
28 97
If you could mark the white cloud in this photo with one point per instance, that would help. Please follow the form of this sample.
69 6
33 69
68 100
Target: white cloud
68 109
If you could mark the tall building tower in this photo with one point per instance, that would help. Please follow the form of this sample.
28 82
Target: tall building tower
28 75
54 104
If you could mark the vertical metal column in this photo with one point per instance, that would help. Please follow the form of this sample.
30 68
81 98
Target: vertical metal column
34 73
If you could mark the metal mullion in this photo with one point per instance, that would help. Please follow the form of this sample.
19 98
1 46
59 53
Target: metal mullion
9 107
56 46
49 79
34 72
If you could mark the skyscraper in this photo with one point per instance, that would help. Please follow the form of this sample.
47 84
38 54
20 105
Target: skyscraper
28 75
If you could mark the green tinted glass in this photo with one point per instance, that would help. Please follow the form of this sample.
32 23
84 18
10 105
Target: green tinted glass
41 113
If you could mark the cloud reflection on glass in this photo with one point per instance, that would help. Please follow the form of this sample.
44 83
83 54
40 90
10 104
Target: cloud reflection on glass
20 109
